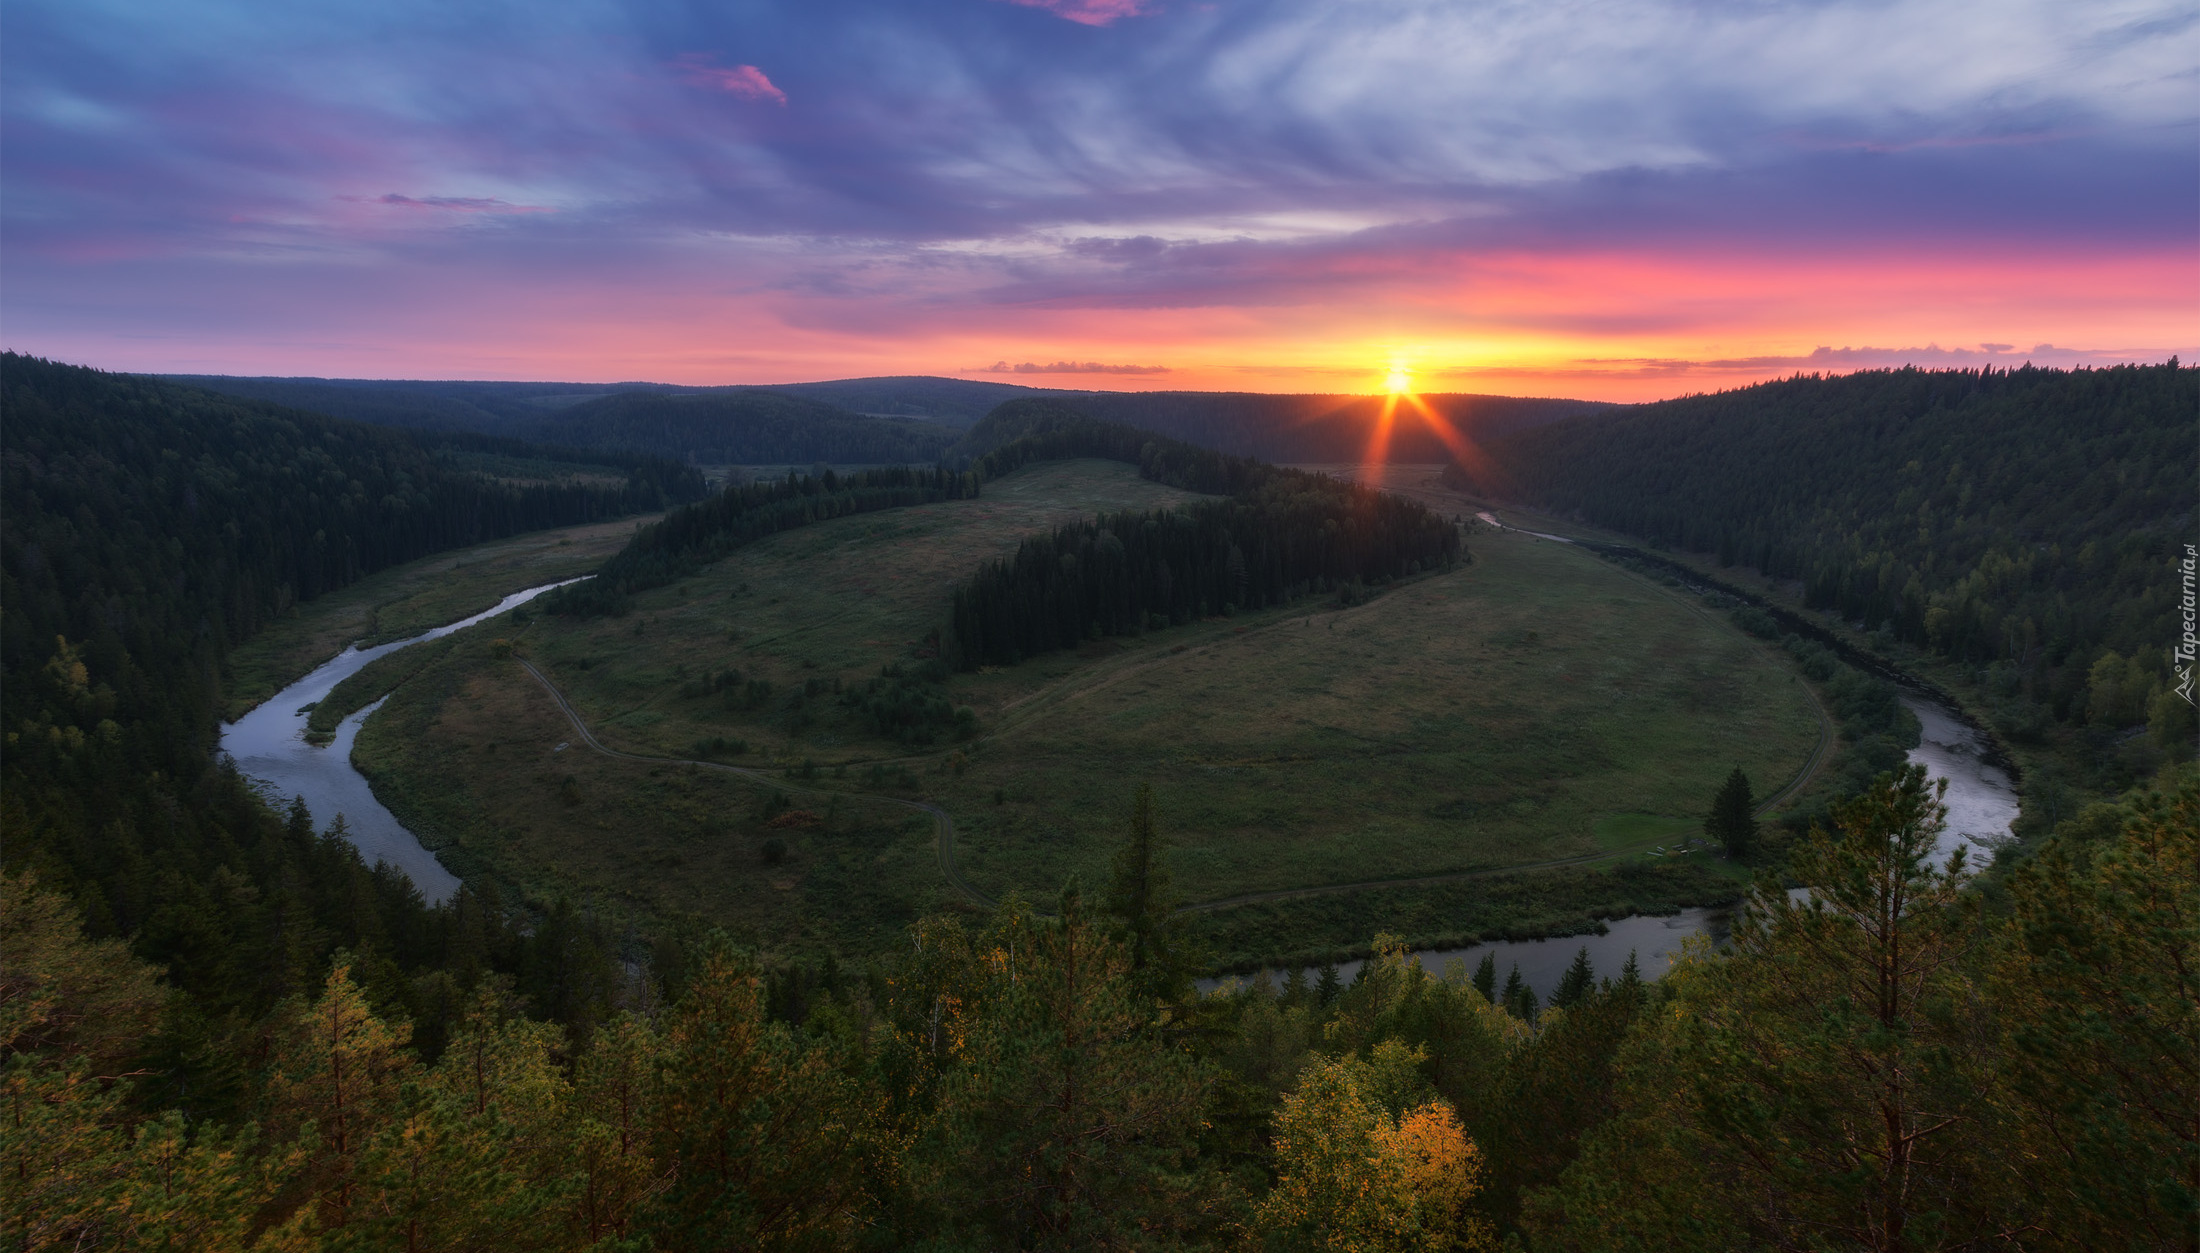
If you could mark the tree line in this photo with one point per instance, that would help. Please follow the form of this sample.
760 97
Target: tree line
1129 572
687 539
745 428
1281 534
1897 1063
742 426
1327 429
2023 522
147 529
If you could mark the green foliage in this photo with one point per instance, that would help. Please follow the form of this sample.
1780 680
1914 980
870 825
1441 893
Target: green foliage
1283 535
1320 429
1067 1117
909 705
692 537
740 428
1732 820
2099 989
148 527
2031 517
742 425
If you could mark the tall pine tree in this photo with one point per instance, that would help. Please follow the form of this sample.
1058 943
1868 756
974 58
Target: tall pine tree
1732 820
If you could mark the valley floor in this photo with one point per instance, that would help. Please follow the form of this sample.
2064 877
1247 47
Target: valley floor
1534 707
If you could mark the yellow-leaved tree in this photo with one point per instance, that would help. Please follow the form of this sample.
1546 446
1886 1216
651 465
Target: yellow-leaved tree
1356 1175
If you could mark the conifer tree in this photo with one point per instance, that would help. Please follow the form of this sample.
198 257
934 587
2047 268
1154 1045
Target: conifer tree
2099 1000
1732 821
1577 983
1068 1120
1485 977
765 1142
334 1084
1140 899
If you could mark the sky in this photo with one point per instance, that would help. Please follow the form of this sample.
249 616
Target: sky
1608 199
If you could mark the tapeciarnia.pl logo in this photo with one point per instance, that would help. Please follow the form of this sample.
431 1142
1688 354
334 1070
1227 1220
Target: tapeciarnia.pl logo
2189 643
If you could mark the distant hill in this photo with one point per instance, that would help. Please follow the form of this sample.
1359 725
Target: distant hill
956 402
744 428
2026 522
488 408
745 425
1279 428
1299 429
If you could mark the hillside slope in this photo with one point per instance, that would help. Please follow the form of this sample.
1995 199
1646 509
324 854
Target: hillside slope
2026 522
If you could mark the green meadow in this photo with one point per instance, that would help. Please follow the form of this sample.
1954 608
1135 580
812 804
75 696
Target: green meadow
1494 727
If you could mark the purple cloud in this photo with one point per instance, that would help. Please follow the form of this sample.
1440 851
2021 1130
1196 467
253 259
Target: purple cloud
745 81
457 204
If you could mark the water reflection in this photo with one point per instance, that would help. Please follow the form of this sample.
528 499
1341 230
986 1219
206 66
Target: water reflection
269 746
1981 799
1655 942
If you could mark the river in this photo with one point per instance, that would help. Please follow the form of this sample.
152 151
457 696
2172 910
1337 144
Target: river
269 746
1981 799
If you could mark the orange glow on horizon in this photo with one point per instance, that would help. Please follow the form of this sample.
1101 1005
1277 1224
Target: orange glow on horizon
1592 325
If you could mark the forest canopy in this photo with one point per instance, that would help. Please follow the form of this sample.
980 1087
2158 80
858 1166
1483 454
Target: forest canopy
2025 523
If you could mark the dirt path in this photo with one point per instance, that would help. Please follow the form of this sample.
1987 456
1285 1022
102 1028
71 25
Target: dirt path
1074 687
943 826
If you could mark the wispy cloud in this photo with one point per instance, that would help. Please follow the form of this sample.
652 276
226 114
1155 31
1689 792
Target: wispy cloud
1866 358
1600 186
745 81
1087 12
456 204
1067 367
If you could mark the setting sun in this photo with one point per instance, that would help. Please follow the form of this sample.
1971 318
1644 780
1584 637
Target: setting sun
1399 381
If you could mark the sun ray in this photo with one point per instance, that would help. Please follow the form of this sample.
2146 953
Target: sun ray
1378 443
1463 450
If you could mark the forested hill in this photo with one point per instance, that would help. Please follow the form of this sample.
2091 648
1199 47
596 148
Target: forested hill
2025 521
769 425
148 528
742 428
1301 429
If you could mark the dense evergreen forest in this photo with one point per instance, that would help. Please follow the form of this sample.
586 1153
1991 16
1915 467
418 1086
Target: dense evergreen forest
718 426
219 1030
2026 523
147 529
690 538
742 428
769 425
1896 1065
1279 535
1287 535
484 408
1318 429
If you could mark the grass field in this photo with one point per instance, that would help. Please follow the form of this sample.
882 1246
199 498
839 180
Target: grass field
408 599
1535 706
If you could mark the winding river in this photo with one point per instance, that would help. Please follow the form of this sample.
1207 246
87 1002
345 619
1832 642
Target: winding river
1981 800
269 746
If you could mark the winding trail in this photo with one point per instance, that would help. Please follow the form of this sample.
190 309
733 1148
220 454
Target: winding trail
1078 685
1071 689
943 826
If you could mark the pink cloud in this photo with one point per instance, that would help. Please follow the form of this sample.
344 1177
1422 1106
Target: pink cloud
745 81
1087 12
